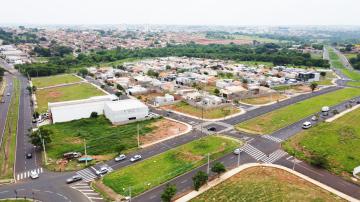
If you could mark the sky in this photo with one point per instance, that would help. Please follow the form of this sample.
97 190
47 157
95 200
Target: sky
182 12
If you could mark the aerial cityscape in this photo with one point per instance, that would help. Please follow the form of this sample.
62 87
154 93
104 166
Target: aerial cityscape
150 101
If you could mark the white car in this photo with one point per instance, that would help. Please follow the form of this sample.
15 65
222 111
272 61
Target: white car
34 174
306 125
314 118
237 151
135 158
102 171
120 157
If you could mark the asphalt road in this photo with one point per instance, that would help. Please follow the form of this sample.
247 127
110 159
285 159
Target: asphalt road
4 107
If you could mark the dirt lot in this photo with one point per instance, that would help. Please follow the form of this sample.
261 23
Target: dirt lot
164 128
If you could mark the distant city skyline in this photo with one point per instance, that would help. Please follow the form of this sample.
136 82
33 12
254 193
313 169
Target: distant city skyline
184 12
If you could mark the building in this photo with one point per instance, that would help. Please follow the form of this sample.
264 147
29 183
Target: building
78 109
164 100
309 76
124 111
117 111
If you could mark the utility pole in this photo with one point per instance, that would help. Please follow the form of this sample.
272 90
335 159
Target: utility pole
238 162
208 164
294 163
130 194
43 144
138 135
85 152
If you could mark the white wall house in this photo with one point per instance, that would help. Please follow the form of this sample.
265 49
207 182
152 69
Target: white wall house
164 100
123 111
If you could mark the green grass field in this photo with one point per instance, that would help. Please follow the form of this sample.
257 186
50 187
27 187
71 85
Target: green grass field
41 82
255 63
354 83
101 136
327 79
215 113
339 141
351 74
8 146
266 184
161 168
65 93
275 120
350 55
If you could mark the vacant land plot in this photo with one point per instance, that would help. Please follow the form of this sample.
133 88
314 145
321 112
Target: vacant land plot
264 99
102 138
161 168
275 120
215 113
255 63
7 152
41 82
327 79
338 141
266 184
65 93
293 88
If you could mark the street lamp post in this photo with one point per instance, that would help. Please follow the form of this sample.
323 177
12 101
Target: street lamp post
238 162
208 164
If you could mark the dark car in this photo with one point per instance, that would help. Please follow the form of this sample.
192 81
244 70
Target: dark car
71 155
73 179
213 129
29 155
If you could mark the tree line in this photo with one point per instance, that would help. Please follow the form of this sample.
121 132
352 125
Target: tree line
265 53
355 62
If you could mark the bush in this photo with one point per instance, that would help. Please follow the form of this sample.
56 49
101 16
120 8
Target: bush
199 179
319 160
323 73
218 168
94 115
169 193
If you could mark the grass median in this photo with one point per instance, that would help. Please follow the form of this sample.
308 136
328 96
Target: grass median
275 120
41 82
8 146
338 142
265 184
161 168
65 93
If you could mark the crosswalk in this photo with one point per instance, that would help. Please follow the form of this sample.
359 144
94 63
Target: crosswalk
89 174
276 155
272 138
253 152
85 189
26 174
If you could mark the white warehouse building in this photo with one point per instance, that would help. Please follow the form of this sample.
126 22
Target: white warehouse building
108 105
124 111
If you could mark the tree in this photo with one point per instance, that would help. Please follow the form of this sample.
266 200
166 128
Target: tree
216 91
118 93
199 179
83 72
36 115
94 115
322 73
218 168
319 160
39 135
169 193
119 87
313 86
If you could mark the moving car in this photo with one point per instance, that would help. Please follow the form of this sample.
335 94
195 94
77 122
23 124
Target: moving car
34 174
28 155
237 151
120 157
103 170
135 158
325 110
306 125
74 178
8 94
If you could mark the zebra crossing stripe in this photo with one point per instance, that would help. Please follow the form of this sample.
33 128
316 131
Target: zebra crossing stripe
276 155
26 174
269 137
252 151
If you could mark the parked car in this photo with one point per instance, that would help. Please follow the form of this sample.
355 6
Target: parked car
28 155
73 179
306 125
213 129
314 118
72 155
237 151
120 157
135 158
103 170
34 174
